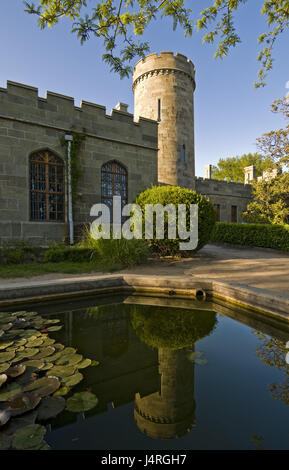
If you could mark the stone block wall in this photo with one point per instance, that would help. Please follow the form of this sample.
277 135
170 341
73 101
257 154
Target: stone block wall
225 195
29 123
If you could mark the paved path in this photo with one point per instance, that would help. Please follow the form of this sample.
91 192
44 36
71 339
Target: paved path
265 269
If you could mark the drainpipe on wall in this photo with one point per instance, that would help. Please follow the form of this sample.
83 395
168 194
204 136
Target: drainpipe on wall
69 139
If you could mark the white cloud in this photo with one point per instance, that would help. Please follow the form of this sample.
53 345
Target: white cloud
287 84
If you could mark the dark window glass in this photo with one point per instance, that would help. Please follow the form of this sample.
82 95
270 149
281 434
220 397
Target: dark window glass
234 214
218 212
184 154
159 110
113 183
46 187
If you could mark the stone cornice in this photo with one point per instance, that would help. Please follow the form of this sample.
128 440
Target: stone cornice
162 71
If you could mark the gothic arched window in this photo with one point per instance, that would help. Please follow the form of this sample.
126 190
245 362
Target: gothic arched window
113 183
46 187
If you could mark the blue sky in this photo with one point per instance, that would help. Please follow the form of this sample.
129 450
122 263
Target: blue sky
229 112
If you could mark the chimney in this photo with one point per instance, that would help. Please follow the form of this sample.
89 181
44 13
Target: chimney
250 174
122 107
208 172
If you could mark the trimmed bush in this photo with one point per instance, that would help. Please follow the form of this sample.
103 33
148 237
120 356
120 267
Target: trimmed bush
75 254
262 235
171 328
175 195
18 252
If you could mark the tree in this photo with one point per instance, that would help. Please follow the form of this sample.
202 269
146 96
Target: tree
271 201
275 144
232 168
120 22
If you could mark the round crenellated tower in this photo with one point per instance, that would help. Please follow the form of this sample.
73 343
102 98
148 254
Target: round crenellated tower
163 87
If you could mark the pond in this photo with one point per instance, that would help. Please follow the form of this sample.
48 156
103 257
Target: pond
173 374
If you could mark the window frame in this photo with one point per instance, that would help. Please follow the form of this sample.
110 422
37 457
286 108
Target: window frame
43 157
123 172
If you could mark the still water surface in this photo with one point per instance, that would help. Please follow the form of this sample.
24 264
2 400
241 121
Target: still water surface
155 392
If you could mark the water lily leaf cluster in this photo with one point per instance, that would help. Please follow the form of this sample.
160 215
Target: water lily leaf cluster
35 374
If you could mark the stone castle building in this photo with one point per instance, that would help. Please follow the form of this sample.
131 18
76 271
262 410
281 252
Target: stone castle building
122 154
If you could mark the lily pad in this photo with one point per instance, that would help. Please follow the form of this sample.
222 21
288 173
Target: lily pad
3 378
28 352
48 342
6 344
47 366
20 422
6 356
4 418
37 363
69 350
54 328
29 437
35 342
4 366
15 371
45 352
72 380
44 386
82 401
61 392
10 391
7 326
61 371
50 407
22 403
69 359
84 363
58 346
5 441
94 363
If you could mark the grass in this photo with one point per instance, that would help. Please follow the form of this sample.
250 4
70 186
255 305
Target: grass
65 267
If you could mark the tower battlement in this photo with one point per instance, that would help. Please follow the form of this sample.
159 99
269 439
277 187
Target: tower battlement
166 62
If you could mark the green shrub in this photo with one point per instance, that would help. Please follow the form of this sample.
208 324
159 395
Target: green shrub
75 254
123 252
171 328
18 252
262 235
176 195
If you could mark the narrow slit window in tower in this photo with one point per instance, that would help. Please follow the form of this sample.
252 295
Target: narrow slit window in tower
159 110
184 153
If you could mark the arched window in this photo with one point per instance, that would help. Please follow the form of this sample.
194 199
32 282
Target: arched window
113 183
46 187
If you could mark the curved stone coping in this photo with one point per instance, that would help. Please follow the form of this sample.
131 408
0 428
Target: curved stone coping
263 301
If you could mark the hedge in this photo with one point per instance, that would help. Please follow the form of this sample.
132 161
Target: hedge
75 254
261 235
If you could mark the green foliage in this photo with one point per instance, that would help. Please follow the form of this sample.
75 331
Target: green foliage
123 252
17 252
75 254
232 168
271 201
119 23
274 145
171 328
221 13
262 235
176 195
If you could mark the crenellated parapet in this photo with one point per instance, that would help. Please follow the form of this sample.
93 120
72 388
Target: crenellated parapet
23 103
164 64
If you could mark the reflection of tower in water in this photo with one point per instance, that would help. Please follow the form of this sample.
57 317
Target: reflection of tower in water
170 412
